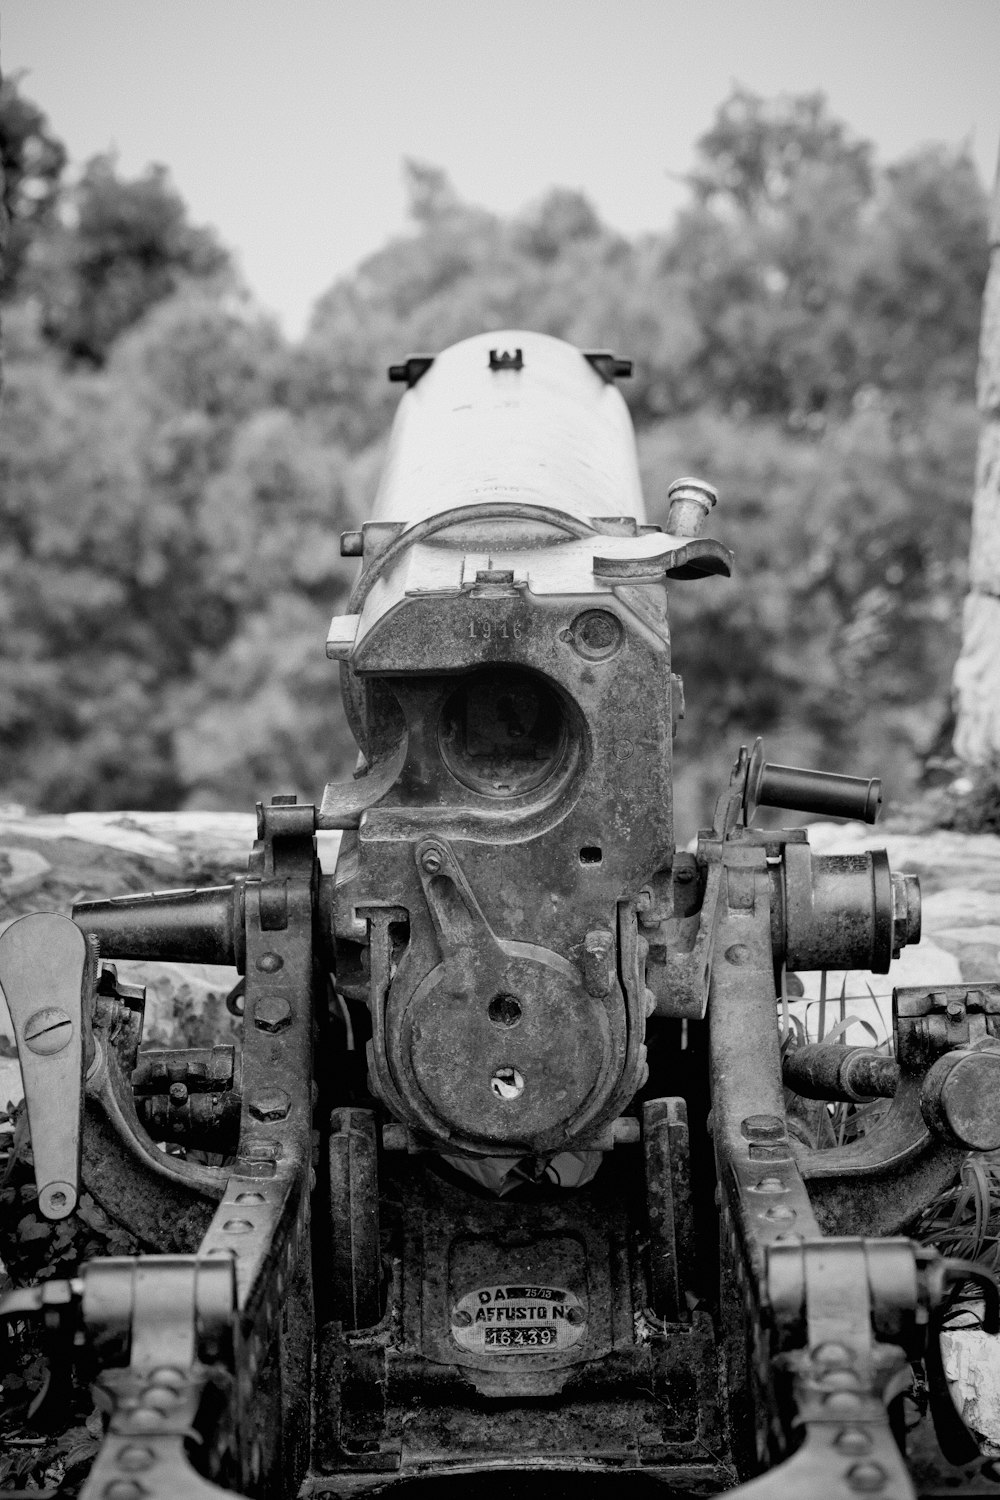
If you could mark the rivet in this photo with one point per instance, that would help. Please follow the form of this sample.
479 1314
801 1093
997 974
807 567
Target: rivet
270 963
832 1354
460 1318
842 1401
134 1457
841 1380
146 1419
250 1198
160 1398
763 1128
124 1489
237 1226
167 1375
576 1315
770 1185
866 1477
738 953
852 1441
431 860
780 1214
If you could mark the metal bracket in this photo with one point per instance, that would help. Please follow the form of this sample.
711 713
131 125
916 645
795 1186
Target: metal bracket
46 970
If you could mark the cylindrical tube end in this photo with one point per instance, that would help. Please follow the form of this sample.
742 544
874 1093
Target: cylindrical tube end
819 792
192 926
690 502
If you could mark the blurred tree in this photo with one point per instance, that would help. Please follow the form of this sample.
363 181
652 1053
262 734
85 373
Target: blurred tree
120 248
174 476
31 166
811 274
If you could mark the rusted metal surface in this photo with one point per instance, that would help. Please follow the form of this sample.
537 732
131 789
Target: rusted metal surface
507 1149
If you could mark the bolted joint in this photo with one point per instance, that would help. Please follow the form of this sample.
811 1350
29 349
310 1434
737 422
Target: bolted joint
270 1104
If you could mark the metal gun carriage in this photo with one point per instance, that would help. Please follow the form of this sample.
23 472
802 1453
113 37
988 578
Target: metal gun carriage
505 1174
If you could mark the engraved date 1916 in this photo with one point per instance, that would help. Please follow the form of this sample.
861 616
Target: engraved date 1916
496 630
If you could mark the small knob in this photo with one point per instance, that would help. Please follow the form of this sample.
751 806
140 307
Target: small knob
690 502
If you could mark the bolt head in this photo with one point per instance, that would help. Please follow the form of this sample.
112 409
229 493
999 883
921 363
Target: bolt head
763 1128
48 1030
866 1477
272 1013
270 1104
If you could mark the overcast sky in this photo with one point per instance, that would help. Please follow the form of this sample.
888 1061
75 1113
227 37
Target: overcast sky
284 122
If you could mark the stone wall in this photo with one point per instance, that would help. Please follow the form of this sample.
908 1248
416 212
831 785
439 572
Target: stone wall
977 672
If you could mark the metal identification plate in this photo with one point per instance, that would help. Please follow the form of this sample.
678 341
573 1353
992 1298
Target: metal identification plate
518 1320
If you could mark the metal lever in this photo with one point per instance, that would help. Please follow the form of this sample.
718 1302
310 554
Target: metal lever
44 965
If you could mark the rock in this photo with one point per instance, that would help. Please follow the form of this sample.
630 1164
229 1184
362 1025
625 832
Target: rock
976 681
21 870
972 1365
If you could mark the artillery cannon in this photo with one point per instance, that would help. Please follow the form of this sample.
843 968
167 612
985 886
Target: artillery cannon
502 1175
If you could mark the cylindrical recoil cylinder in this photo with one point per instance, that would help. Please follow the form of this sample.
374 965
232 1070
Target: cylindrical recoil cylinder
842 911
205 925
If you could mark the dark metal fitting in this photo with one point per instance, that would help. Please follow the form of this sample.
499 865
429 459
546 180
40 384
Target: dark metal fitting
186 926
270 1104
598 961
504 359
285 817
842 911
608 365
690 502
178 1094
395 1137
820 792
432 859
905 912
352 543
830 1070
626 1131
272 1013
763 1128
958 1098
411 369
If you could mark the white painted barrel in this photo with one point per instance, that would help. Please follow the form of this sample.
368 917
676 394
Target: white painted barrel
552 433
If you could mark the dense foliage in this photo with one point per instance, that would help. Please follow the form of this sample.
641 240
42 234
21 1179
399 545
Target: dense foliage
174 474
